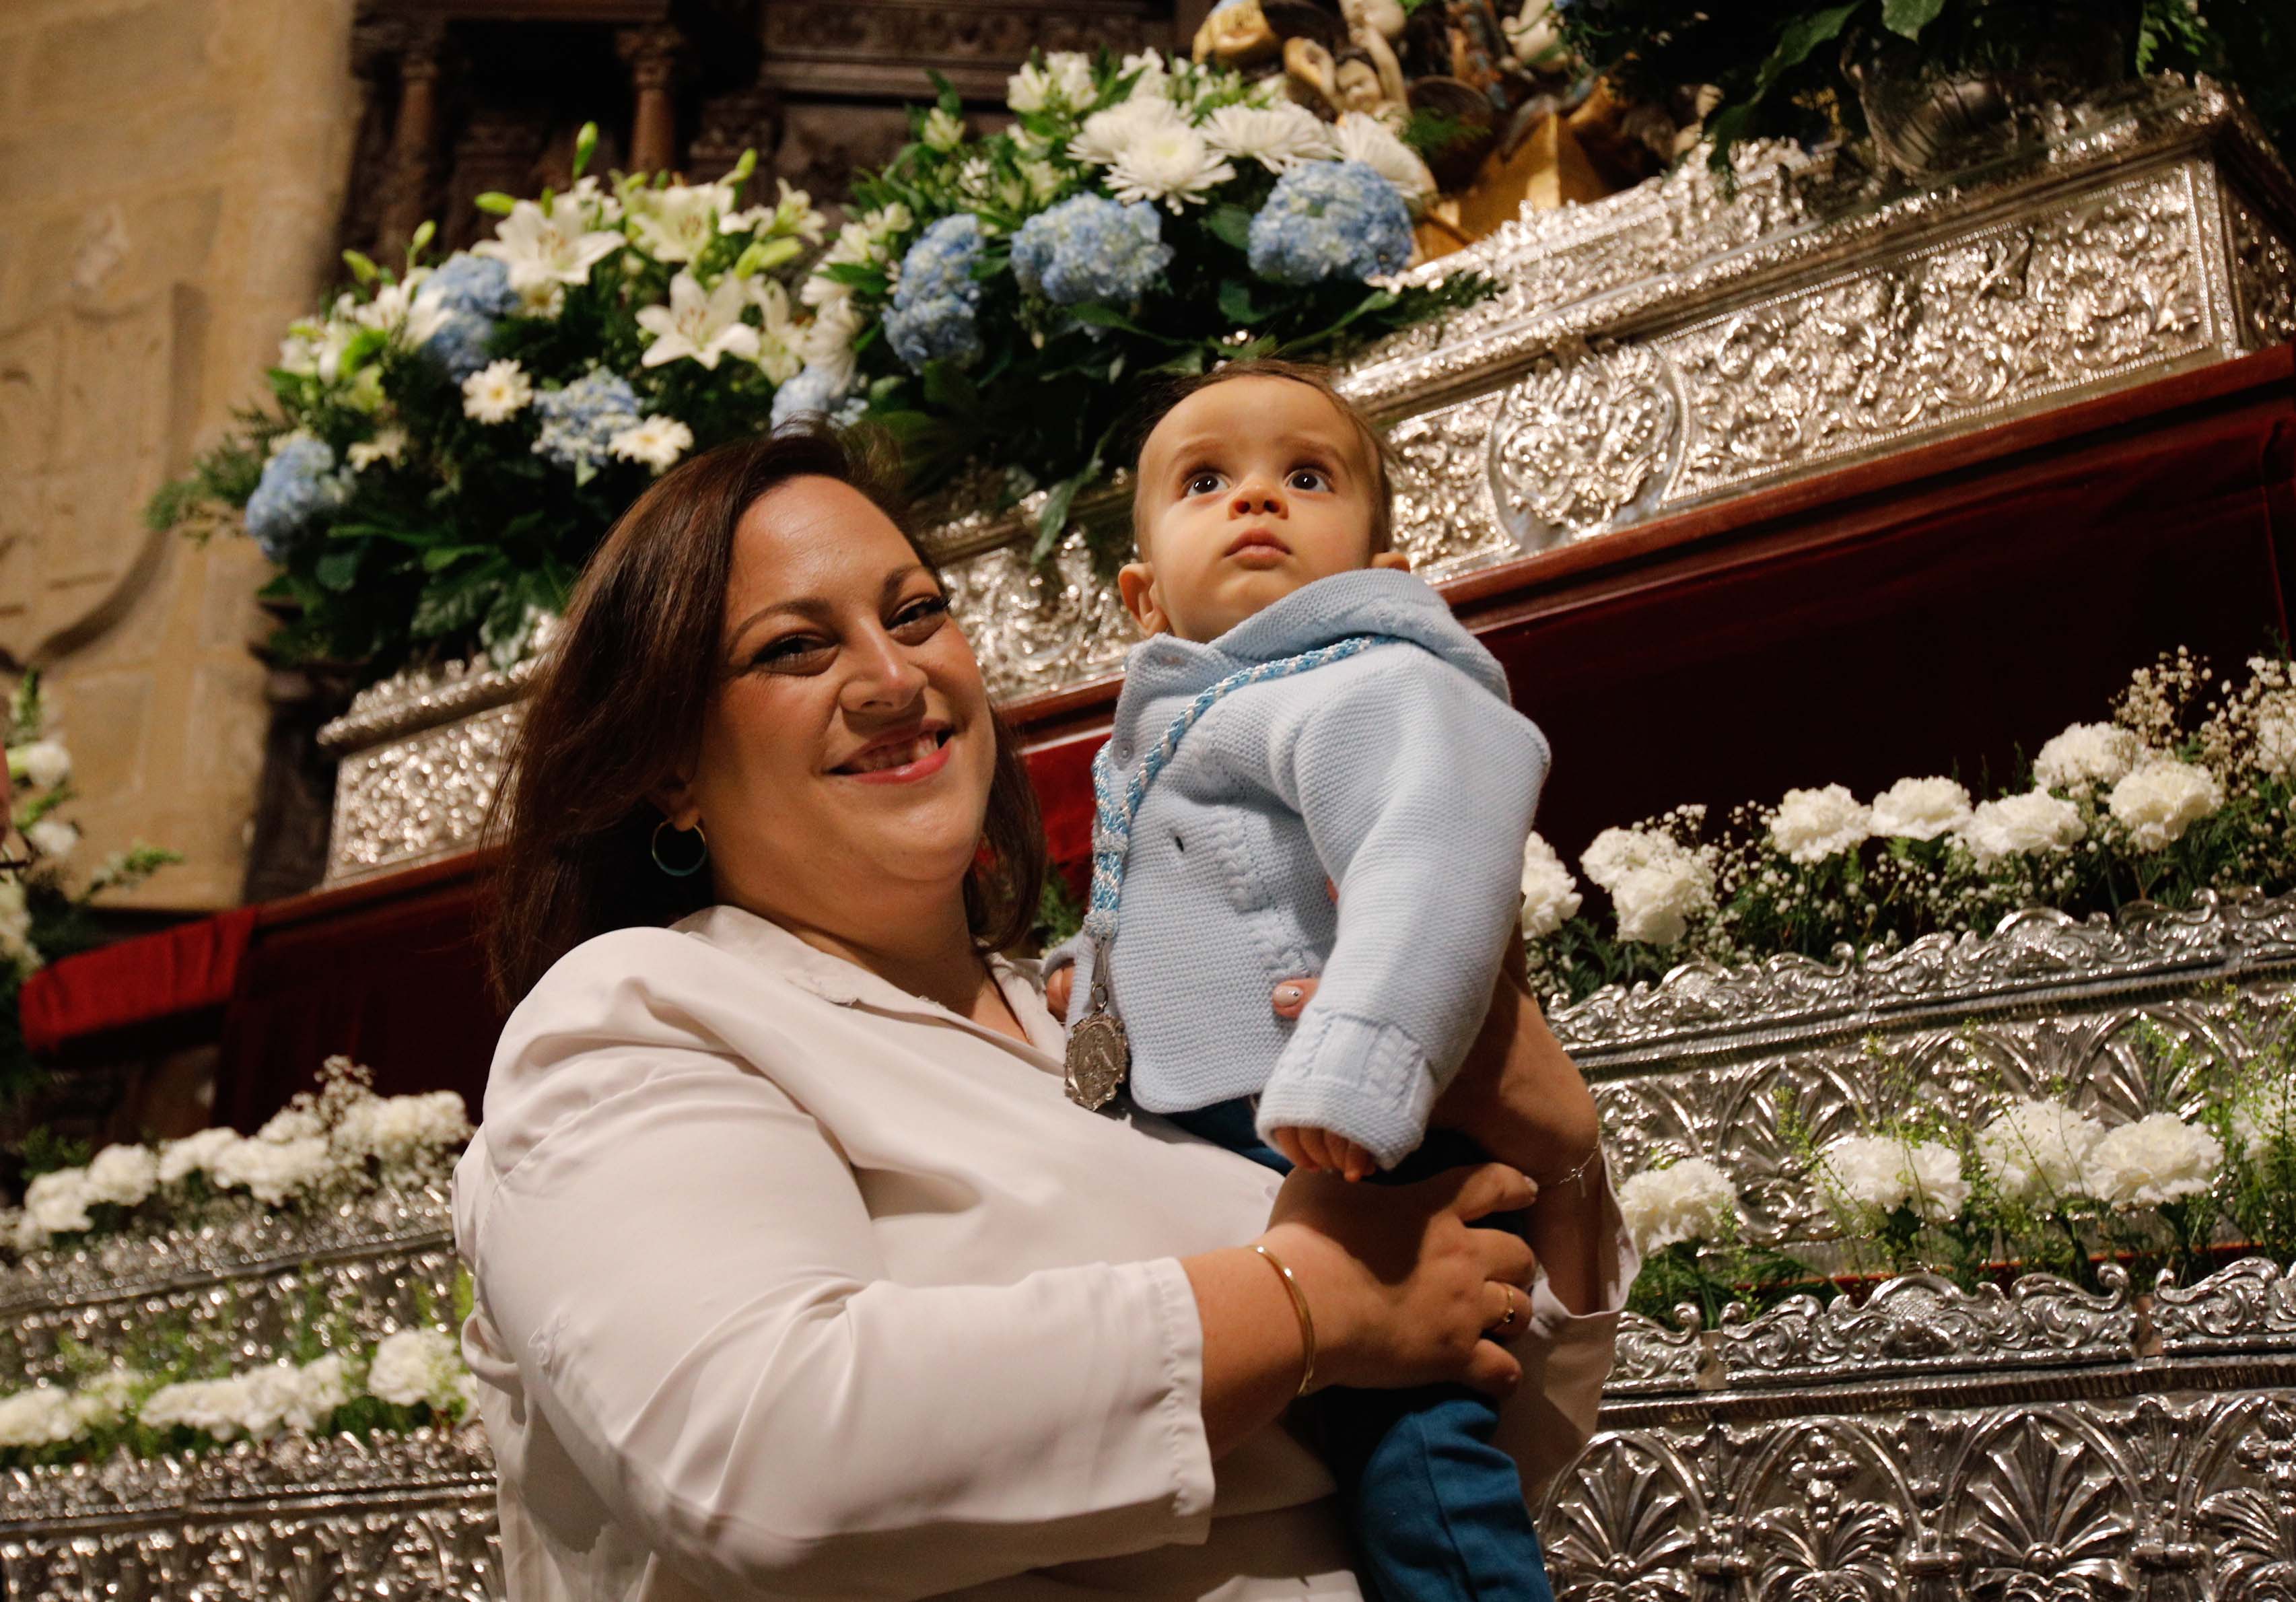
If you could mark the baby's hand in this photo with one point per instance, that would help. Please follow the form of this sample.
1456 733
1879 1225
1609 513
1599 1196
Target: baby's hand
1311 1149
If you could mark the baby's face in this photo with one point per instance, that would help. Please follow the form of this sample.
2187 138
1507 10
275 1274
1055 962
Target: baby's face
1249 490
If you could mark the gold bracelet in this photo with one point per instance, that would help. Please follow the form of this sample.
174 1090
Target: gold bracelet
1299 1306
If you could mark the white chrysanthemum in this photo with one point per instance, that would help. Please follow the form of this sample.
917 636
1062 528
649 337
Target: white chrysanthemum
274 1171
2265 1115
414 1366
58 1200
1689 1201
194 1154
396 1128
43 1416
497 393
44 763
2037 1150
1279 137
2156 1160
2086 755
2275 734
1359 137
1655 882
698 325
292 1124
656 440
1108 134
676 222
53 838
1885 1173
1920 809
2019 826
123 1175
2159 800
1171 163
1550 895
1809 825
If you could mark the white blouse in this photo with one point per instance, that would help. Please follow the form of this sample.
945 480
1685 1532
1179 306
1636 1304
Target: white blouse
791 1283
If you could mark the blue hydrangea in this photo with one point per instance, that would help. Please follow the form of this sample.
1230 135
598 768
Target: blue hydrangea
1331 219
936 310
469 294
1090 249
301 482
818 390
579 421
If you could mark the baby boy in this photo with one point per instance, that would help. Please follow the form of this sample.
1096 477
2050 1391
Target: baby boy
1315 770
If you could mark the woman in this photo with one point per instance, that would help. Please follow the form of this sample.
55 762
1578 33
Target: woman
797 1273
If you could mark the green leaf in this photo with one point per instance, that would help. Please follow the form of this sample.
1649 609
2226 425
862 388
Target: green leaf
1052 522
447 610
945 94
1909 17
1798 37
950 389
1235 303
438 559
339 570
1230 224
1104 317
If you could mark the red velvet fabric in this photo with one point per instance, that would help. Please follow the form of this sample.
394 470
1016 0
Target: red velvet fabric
186 969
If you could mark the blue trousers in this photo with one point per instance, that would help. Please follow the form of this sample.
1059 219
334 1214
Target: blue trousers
1435 1509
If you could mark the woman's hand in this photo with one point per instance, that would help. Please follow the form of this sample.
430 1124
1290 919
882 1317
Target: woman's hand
1401 1291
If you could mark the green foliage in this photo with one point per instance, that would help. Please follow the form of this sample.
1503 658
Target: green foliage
1059 914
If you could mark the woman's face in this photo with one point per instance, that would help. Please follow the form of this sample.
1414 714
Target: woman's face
844 767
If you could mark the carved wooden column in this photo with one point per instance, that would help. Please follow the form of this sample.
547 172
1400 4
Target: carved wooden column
652 54
414 137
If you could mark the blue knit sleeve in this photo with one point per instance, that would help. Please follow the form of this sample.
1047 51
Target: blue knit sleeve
1417 785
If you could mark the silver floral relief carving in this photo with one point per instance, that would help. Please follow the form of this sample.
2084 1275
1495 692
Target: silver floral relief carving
1035 630
420 797
2264 275
1584 441
1443 518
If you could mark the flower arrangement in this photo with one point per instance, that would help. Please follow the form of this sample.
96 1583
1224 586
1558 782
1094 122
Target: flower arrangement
451 439
42 916
186 1402
323 1145
1790 72
2186 787
1140 217
2031 1180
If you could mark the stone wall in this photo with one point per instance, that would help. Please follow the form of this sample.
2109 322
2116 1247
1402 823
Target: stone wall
171 172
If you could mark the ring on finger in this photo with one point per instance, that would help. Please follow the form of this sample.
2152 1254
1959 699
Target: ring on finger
1506 1324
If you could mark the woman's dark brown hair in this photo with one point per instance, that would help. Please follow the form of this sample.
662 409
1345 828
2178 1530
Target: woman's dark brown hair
619 705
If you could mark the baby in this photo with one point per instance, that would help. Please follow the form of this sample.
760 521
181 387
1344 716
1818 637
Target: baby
1315 770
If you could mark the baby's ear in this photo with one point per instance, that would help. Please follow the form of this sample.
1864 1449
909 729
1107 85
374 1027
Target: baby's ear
1397 560
1136 581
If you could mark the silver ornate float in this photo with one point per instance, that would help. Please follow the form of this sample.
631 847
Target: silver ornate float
1681 343
2039 1442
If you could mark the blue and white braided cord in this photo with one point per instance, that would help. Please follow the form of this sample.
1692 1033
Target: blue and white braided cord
1111 830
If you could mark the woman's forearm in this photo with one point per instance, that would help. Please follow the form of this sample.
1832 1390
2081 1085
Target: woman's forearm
1253 1352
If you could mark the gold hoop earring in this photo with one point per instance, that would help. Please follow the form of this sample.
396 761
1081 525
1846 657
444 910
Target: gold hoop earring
690 869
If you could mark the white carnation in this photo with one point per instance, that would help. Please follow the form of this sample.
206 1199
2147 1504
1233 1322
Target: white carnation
52 838
2266 1114
414 1366
103 1401
1689 1201
2017 825
1550 895
273 1169
1359 137
123 1175
398 1128
58 1201
218 1407
2159 800
1920 809
194 1154
2157 1159
497 393
43 1416
1809 825
2086 755
1279 137
1885 1173
45 763
2275 734
2037 1150
1654 882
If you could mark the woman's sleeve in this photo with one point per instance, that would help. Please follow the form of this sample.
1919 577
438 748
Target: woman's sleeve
1565 1359
682 1266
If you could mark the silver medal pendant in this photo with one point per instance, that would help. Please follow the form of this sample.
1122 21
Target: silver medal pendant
1098 1060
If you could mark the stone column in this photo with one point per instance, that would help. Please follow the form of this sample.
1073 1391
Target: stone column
652 54
414 138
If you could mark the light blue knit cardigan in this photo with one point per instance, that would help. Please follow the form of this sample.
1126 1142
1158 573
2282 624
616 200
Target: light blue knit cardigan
1401 774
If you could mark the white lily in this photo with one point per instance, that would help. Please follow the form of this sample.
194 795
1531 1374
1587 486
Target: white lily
556 246
778 342
678 223
701 324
